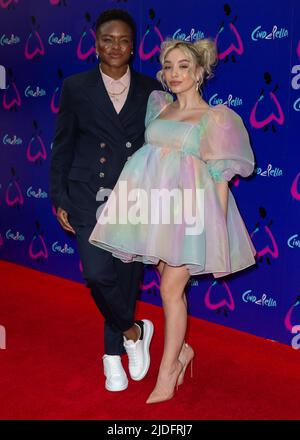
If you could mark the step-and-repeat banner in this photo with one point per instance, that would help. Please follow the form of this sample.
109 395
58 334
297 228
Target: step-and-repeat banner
258 76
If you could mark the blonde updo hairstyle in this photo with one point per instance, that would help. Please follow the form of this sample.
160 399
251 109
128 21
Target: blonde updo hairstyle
203 52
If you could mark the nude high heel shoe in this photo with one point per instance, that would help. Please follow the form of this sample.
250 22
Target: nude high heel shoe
186 357
163 392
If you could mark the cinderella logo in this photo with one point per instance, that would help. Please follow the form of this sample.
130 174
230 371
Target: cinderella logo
264 301
8 41
294 188
218 297
192 36
269 172
15 140
34 47
13 193
54 104
262 234
86 46
228 39
65 249
11 97
37 249
276 33
62 39
230 101
267 100
294 241
151 40
14 236
29 92
36 151
39 194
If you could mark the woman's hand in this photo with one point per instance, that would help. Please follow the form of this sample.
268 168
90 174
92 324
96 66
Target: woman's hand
62 217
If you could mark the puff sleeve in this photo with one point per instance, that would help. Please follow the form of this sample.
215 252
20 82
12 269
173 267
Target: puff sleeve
157 101
225 145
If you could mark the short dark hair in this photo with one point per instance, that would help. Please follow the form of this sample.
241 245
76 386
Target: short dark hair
116 14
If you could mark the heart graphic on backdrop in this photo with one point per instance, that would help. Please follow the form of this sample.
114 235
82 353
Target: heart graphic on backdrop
272 117
84 39
288 318
294 188
13 194
145 56
36 149
273 250
38 248
239 49
37 46
226 297
11 97
298 49
154 284
55 96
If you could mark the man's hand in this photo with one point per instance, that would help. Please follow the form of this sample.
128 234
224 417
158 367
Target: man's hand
62 217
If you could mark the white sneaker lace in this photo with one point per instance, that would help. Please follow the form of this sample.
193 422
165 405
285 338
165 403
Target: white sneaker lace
132 354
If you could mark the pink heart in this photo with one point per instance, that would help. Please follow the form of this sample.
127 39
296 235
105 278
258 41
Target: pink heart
42 252
40 153
18 198
38 50
91 50
229 301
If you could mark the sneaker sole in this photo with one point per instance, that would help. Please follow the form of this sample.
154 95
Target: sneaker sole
108 388
146 350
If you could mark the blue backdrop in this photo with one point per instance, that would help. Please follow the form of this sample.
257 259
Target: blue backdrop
258 76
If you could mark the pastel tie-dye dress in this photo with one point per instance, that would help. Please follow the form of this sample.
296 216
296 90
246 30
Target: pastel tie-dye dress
188 158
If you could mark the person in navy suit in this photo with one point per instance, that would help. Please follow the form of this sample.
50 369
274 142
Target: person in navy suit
100 124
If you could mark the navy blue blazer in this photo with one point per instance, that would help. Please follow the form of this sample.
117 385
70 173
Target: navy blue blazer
92 141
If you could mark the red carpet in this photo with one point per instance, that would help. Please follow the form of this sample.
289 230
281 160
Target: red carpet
52 368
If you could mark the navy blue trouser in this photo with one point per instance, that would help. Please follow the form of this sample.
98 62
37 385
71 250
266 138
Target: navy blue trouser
114 286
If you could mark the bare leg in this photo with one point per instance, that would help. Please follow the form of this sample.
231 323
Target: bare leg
173 282
134 333
160 267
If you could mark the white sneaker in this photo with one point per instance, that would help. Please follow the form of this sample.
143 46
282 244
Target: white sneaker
116 379
138 352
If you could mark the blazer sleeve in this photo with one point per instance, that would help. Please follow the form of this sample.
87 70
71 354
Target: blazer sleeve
63 146
225 145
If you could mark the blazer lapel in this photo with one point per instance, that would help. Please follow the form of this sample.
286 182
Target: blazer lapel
134 99
96 92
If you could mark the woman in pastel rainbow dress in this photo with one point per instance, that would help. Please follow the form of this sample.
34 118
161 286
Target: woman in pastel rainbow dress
193 227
